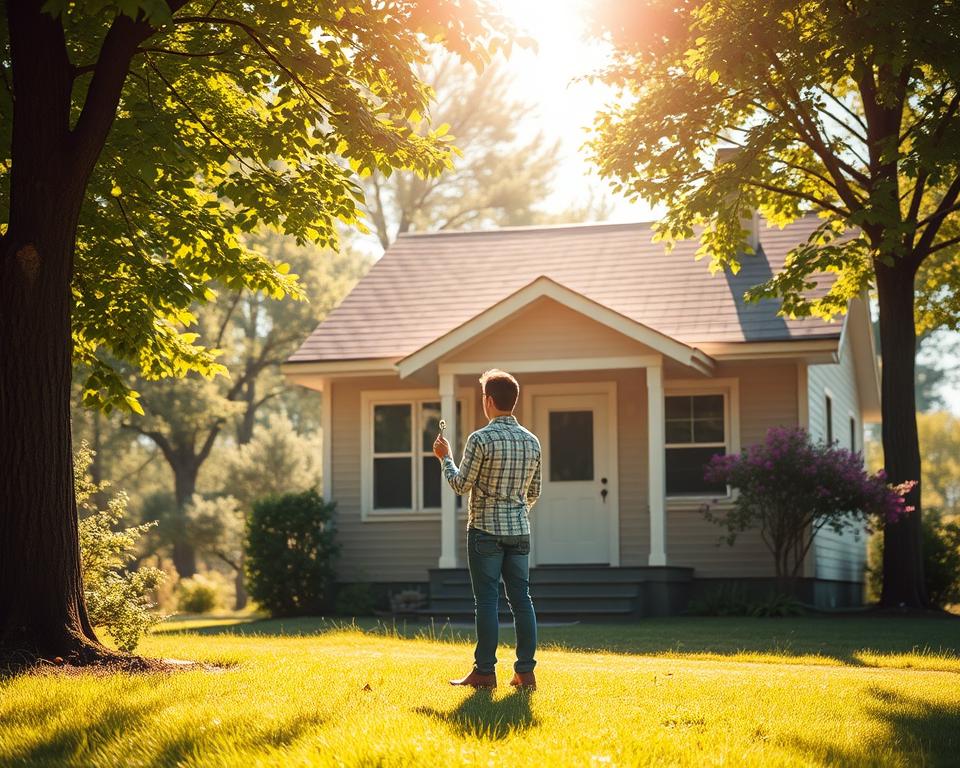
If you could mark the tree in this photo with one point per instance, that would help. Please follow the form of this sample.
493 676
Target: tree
848 110
139 146
277 460
496 179
185 418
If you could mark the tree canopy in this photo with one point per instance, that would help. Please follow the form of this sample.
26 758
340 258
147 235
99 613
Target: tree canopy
842 109
230 117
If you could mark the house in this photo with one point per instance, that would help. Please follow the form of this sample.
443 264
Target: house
635 367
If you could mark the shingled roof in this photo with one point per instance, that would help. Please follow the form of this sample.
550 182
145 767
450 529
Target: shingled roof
426 285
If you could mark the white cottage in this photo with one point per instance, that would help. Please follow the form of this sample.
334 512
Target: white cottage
635 367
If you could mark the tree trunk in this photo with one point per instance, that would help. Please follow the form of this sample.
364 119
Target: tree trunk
903 580
249 417
42 609
185 485
240 584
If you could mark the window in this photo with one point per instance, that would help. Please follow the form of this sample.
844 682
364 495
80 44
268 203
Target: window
696 430
402 474
829 419
853 434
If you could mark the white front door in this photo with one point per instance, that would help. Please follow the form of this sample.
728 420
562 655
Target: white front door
571 521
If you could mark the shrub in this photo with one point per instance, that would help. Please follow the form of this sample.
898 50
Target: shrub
407 600
290 554
116 599
355 600
199 594
941 560
790 488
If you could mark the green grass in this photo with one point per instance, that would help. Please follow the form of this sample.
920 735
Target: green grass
697 692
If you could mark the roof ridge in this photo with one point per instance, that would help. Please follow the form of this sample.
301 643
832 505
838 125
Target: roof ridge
529 228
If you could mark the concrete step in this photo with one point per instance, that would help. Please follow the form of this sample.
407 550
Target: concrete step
573 591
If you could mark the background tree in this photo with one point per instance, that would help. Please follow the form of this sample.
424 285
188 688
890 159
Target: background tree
277 460
498 177
137 149
185 418
846 109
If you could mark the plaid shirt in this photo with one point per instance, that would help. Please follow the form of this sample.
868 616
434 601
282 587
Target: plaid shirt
501 469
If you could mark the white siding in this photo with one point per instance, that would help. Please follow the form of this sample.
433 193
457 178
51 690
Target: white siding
838 556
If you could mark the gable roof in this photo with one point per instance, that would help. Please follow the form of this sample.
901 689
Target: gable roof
427 285
544 287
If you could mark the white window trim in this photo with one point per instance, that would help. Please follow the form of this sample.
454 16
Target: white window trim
412 397
857 431
730 389
828 415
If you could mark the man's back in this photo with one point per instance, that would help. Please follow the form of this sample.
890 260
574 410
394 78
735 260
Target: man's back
501 470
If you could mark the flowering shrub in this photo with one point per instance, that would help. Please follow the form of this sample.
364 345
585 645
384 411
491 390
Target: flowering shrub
790 488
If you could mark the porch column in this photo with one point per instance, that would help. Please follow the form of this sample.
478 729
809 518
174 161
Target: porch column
657 479
326 430
448 499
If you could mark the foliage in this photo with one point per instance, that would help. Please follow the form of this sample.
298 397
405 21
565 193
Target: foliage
355 600
234 117
290 553
790 488
276 460
495 178
116 598
941 560
940 444
407 600
848 110
732 600
198 594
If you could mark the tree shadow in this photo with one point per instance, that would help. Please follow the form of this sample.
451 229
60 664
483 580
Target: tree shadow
918 732
117 726
482 716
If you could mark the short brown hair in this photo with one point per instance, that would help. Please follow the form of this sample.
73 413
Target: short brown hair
502 387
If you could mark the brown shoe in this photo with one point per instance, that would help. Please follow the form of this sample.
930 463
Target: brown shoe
526 680
477 680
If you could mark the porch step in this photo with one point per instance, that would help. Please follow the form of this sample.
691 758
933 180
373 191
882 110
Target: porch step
568 592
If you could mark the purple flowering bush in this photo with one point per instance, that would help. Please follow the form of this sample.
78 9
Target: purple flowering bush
790 487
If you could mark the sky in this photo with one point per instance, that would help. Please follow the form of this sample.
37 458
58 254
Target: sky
547 79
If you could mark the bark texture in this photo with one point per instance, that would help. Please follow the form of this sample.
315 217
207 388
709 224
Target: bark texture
903 579
42 609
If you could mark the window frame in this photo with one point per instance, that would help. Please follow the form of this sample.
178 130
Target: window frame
730 390
415 398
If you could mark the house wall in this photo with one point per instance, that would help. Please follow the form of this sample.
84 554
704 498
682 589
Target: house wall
837 556
768 397
384 550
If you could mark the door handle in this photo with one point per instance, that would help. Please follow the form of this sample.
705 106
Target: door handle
603 495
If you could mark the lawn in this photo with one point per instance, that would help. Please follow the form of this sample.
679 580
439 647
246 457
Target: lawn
697 692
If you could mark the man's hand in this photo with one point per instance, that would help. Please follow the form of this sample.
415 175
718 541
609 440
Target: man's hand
441 448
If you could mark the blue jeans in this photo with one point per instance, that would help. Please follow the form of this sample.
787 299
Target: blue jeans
491 558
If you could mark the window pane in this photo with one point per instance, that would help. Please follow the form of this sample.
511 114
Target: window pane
391 428
685 471
430 419
708 407
431 482
708 430
391 484
571 445
678 431
679 408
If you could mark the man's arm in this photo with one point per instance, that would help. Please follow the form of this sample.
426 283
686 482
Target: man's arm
462 479
533 490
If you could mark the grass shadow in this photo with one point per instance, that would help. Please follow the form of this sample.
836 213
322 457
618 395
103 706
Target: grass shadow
918 732
482 716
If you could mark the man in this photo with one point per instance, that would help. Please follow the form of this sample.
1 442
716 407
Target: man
501 470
